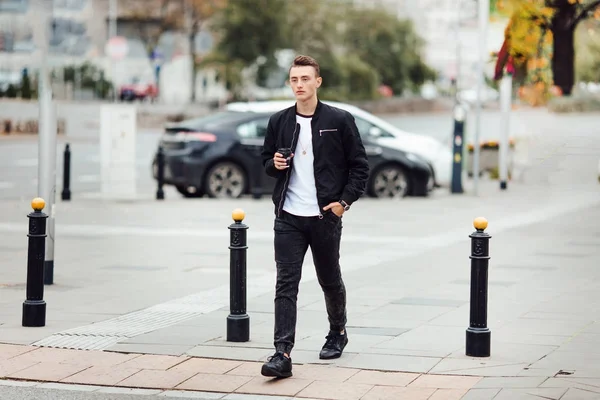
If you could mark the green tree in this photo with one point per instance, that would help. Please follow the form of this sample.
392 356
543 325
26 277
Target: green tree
391 46
247 31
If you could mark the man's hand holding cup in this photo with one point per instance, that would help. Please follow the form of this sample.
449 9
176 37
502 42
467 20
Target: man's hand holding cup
282 158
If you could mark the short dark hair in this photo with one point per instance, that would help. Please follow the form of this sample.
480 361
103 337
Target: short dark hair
306 61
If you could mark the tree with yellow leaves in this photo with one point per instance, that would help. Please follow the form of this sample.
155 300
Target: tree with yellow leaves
540 42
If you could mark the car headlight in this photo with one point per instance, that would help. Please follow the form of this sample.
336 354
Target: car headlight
413 157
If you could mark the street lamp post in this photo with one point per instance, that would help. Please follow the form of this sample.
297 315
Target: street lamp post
47 140
484 9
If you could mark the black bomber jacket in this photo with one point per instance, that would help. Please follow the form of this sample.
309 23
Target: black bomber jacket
341 167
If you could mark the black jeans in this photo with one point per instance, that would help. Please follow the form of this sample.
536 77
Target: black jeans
293 236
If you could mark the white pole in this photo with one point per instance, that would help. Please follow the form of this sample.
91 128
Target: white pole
47 143
484 10
112 32
505 106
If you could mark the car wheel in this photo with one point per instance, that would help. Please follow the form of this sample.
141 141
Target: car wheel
390 181
225 180
189 191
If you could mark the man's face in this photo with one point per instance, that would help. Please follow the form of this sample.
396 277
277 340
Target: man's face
304 82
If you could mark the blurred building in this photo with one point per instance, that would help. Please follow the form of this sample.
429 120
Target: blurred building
78 32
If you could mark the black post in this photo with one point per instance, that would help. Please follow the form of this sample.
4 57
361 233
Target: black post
238 322
478 334
457 161
160 175
34 308
66 192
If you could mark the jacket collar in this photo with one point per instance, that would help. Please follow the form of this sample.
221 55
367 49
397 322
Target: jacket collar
317 109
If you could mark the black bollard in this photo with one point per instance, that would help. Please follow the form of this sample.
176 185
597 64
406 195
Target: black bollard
478 334
457 161
34 308
238 322
66 192
160 173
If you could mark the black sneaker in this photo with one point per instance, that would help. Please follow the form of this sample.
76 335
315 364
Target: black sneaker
334 345
277 365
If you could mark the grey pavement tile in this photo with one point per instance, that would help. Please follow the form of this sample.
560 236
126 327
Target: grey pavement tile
255 342
579 394
589 384
519 267
312 357
182 394
563 254
539 372
368 321
512 352
145 348
391 362
537 326
409 312
443 339
135 268
480 394
572 316
458 317
570 361
406 352
424 301
231 353
375 331
493 382
593 328
477 368
530 394
530 339
179 335
357 343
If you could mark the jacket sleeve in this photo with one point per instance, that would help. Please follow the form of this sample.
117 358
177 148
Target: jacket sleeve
268 151
356 160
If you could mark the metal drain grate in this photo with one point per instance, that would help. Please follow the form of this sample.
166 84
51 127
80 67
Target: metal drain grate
102 335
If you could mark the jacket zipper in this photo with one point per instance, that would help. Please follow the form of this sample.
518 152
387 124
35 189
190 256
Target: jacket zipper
314 170
287 174
326 130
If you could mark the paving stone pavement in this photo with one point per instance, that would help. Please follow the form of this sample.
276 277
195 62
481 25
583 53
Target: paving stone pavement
146 283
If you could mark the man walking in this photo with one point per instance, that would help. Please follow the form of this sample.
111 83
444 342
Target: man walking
326 171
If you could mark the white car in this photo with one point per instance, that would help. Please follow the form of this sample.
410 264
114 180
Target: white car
437 154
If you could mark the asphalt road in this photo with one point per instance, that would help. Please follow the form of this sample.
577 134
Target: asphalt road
19 166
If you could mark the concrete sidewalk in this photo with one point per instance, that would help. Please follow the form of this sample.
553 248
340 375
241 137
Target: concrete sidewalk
543 306
141 294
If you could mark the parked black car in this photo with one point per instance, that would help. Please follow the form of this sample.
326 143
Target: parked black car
219 156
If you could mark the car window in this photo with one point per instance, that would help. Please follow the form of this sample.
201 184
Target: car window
253 129
364 128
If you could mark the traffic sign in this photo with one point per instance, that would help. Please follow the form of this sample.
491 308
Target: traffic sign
117 47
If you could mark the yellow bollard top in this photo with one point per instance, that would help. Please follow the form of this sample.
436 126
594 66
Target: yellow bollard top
480 223
238 215
38 204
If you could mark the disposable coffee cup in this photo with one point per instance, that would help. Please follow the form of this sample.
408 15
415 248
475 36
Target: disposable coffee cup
286 153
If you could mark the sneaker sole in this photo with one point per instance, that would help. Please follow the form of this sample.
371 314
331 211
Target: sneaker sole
272 373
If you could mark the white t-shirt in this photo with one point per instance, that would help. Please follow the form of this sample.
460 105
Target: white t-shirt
301 197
